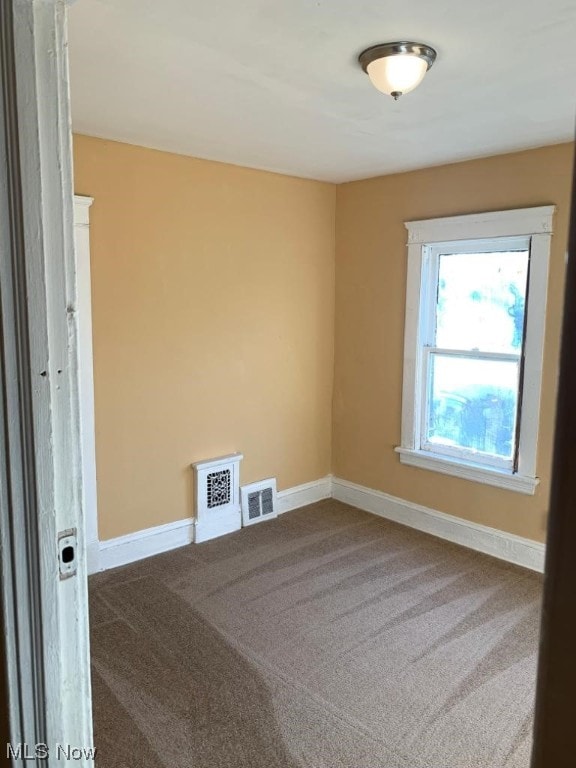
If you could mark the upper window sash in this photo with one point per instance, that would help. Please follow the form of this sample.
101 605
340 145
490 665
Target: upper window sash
430 273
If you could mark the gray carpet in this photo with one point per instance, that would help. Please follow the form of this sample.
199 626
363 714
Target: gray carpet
328 638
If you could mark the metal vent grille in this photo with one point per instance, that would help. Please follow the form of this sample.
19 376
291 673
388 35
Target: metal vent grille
253 505
267 501
259 501
218 486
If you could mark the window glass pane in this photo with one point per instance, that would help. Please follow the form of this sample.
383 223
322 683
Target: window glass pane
480 301
473 404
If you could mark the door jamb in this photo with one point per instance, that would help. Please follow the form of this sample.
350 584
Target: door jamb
45 617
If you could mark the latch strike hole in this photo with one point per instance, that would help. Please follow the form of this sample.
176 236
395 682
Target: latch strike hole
67 554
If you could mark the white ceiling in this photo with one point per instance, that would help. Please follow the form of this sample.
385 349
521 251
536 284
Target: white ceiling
274 84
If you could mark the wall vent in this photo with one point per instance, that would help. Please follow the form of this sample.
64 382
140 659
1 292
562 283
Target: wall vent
218 488
258 501
217 497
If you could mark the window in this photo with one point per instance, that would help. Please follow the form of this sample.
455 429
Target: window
475 312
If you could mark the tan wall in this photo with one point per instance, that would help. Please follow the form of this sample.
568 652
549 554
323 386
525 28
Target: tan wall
213 320
370 301
213 293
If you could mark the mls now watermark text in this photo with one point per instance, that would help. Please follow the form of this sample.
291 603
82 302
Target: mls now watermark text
43 752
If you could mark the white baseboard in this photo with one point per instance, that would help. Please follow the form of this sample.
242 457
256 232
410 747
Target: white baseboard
301 495
141 544
152 541
491 541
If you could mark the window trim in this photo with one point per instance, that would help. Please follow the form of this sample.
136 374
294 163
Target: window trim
535 223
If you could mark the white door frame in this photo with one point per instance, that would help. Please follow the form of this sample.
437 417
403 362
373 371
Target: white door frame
45 616
82 206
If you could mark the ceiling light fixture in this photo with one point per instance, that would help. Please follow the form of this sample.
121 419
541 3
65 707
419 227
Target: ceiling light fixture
397 68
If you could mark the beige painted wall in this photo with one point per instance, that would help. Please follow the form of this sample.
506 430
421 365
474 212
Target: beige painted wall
213 320
370 302
213 324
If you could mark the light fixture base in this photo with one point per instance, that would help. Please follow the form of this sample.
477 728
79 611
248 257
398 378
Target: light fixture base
382 50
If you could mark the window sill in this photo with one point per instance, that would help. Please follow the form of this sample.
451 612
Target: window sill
469 471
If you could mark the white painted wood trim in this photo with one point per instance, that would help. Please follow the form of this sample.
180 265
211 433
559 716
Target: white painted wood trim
411 412
47 644
93 557
145 543
207 464
226 517
522 221
536 223
152 541
534 353
302 495
490 541
82 205
69 698
217 524
468 471
86 371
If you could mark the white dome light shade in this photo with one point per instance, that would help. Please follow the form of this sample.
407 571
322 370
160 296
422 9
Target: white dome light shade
397 68
397 74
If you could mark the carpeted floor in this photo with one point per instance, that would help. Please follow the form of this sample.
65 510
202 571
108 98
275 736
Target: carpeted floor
328 638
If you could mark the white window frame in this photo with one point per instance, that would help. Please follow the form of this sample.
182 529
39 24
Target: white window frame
533 223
